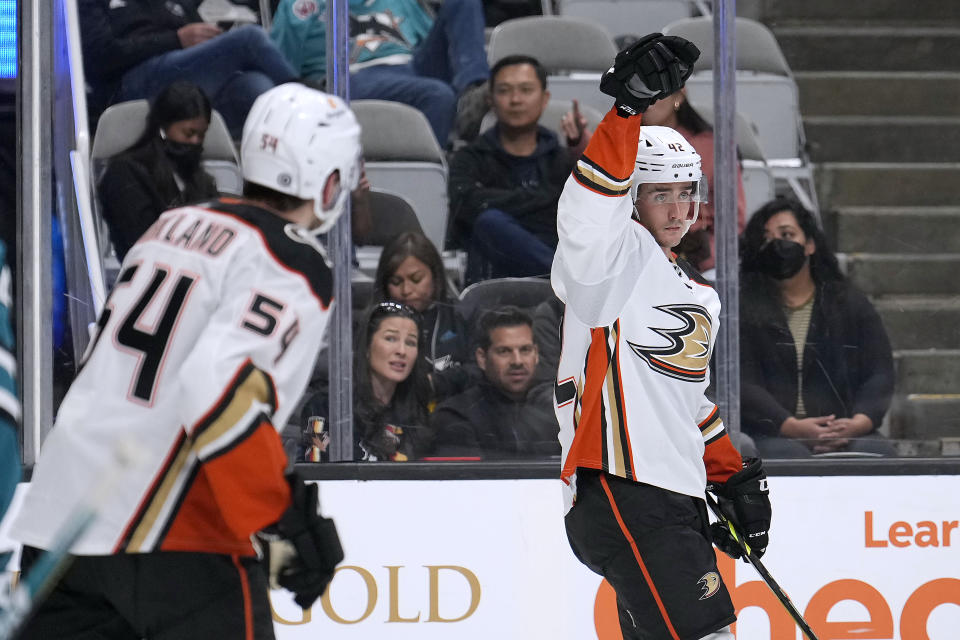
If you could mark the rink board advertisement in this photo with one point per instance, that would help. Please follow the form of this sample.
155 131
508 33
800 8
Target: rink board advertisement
861 557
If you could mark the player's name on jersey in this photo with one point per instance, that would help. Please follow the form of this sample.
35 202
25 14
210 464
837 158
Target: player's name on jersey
203 234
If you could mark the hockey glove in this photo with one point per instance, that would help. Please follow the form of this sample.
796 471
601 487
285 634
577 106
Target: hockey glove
650 69
304 547
744 500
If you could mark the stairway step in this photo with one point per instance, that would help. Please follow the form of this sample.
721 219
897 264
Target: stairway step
883 139
871 93
941 10
870 48
927 371
916 273
898 229
926 416
921 322
891 184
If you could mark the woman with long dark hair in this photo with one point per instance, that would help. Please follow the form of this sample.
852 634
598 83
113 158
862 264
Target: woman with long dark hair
816 364
411 271
390 391
162 169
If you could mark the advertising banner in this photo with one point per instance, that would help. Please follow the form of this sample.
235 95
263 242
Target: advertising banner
861 557
870 558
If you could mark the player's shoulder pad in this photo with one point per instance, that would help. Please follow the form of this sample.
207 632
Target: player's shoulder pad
692 273
288 249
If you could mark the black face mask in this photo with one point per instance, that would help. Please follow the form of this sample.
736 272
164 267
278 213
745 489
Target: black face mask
781 259
184 156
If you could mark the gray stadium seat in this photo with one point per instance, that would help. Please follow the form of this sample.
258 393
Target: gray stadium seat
758 180
121 125
550 119
525 293
766 94
402 156
628 17
391 214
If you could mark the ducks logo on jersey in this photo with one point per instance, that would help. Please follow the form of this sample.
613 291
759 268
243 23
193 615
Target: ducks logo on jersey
687 355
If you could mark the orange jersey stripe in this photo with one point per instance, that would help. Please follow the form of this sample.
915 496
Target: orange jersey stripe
231 496
587 449
721 459
247 600
613 145
638 558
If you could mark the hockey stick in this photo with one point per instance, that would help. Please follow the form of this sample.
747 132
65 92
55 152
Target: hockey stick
23 599
762 570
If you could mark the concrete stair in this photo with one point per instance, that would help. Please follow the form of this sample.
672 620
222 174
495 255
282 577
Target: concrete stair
879 86
831 11
905 273
921 322
858 47
873 93
894 230
894 139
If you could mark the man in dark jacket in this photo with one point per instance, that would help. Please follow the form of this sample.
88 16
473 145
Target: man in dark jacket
134 48
504 186
505 415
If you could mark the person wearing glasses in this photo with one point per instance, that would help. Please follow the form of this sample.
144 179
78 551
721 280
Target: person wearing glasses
390 392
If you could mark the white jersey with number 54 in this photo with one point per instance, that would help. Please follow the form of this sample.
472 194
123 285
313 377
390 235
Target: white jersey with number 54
206 342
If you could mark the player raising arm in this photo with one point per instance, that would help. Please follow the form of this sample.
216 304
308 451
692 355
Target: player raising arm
640 440
204 346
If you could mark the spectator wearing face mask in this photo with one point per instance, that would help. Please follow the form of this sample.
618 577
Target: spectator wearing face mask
816 364
162 169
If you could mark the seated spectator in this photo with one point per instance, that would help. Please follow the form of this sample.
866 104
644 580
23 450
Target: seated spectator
161 170
411 271
399 51
505 185
816 364
505 415
134 48
390 391
697 245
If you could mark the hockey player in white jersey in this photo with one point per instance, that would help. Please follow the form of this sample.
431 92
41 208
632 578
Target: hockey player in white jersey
640 440
204 346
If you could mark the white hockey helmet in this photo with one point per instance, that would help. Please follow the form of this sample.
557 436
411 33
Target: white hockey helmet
294 139
665 156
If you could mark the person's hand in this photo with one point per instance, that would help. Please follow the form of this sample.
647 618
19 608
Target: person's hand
654 67
574 126
197 33
811 428
840 430
363 185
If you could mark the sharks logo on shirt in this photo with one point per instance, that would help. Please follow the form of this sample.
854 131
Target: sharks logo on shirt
687 355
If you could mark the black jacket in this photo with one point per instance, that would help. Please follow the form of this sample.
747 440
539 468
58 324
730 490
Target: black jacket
445 341
483 422
132 198
117 38
484 176
379 433
847 361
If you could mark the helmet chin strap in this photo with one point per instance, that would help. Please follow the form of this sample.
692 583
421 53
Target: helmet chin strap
329 217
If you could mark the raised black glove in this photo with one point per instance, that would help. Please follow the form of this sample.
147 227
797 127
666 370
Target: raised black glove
744 500
304 546
650 69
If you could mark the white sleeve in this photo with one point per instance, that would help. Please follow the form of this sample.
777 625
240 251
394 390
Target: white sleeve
602 251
